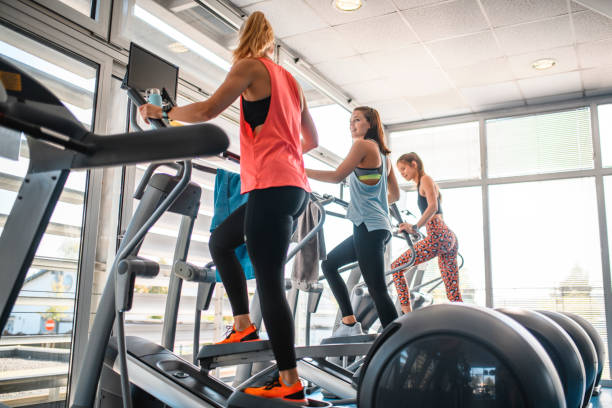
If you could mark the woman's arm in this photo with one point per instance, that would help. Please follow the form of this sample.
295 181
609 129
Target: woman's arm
432 200
356 154
237 81
393 192
310 137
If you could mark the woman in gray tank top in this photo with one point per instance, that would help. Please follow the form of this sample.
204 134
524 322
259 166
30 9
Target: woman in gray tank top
372 185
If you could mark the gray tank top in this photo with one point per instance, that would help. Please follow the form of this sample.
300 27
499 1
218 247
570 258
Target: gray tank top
369 204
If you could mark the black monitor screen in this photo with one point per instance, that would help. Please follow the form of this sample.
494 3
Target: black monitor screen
146 70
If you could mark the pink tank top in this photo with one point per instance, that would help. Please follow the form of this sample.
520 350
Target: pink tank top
273 158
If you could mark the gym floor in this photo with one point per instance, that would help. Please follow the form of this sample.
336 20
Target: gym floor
604 400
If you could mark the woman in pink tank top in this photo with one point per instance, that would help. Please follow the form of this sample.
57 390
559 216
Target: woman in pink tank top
273 114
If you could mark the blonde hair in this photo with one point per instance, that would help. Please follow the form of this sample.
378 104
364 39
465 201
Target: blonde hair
255 37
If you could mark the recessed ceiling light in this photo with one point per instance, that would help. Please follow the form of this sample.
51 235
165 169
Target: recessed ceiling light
347 5
544 63
178 47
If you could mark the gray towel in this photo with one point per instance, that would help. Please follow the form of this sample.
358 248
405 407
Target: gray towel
306 262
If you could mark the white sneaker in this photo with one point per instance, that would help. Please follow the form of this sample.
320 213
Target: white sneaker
344 330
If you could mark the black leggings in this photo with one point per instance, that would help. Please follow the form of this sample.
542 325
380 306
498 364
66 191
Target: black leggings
266 222
368 248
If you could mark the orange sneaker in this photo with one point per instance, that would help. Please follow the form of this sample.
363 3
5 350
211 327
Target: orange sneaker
234 336
276 389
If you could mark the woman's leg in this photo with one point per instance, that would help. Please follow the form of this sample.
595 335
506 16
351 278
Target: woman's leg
370 250
426 249
268 226
450 270
342 254
228 236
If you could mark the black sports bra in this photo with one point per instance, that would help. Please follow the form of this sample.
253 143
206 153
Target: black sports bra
422 201
255 112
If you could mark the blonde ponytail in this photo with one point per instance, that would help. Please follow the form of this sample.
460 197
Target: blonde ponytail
255 37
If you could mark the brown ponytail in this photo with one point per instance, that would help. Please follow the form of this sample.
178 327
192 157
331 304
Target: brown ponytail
375 132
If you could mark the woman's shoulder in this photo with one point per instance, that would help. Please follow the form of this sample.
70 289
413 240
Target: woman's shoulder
427 181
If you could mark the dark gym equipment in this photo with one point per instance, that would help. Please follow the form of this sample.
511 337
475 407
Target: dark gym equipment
458 355
560 348
585 346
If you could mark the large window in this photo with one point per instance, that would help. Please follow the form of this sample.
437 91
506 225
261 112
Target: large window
463 214
535 144
605 133
332 122
448 152
545 248
37 339
186 35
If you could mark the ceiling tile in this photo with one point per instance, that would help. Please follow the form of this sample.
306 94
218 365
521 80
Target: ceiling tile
595 54
555 98
505 12
386 32
412 59
543 35
440 104
428 82
347 70
446 20
395 110
408 4
565 57
332 16
282 17
566 82
467 50
480 96
372 90
591 26
597 78
485 72
310 45
577 7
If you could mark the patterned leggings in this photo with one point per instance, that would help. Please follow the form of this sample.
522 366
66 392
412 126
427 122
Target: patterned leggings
440 242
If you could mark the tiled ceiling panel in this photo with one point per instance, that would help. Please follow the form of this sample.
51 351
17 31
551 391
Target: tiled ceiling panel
433 105
508 12
482 73
466 50
411 59
334 17
591 26
347 70
309 45
446 19
529 37
479 96
597 79
408 4
417 59
567 82
386 32
375 90
543 35
595 54
395 110
564 56
424 83
284 23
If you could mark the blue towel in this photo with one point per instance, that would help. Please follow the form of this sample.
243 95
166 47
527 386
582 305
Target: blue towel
227 198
